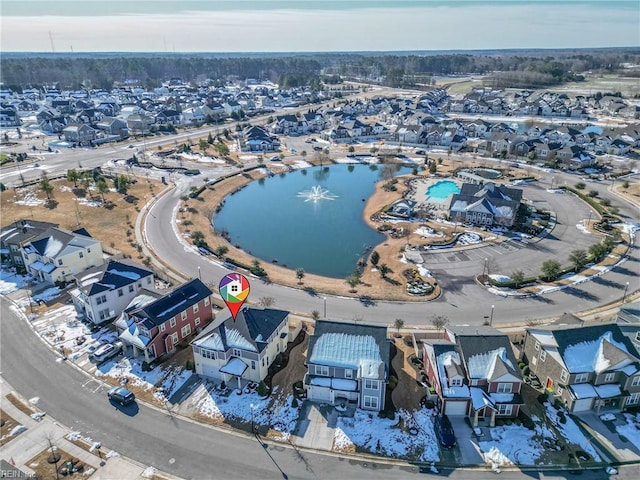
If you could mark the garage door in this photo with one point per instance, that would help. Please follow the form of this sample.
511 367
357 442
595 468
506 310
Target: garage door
582 404
455 408
208 371
319 394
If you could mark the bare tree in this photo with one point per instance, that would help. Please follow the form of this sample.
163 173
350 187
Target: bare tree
439 321
398 324
266 301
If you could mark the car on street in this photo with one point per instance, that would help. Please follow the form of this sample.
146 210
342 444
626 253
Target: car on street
106 351
275 158
444 431
121 395
420 152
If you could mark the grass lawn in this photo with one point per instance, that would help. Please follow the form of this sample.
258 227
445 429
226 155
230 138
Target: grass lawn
8 424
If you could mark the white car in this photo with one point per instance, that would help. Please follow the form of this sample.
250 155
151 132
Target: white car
106 351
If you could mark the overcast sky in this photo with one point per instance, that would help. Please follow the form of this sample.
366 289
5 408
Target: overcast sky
305 25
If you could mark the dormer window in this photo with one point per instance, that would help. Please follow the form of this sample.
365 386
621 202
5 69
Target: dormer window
455 382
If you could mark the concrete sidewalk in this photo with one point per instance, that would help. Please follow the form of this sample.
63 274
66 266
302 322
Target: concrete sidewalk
26 445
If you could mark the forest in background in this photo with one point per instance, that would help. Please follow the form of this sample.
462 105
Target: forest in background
527 69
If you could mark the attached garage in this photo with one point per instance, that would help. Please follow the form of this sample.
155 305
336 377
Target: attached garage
208 370
316 393
582 404
455 408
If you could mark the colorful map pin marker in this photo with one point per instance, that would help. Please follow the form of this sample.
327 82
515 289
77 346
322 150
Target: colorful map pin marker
234 290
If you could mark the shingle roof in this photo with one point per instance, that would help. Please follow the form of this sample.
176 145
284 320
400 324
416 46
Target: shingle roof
110 276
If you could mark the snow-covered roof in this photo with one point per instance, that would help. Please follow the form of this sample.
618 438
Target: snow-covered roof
211 342
583 390
592 356
501 397
132 335
479 399
483 364
609 390
344 384
236 340
343 350
321 381
449 358
545 337
235 366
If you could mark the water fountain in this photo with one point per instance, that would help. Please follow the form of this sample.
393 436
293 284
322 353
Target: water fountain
316 194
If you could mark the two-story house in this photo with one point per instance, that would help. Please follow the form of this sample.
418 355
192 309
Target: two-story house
155 326
474 373
242 349
348 363
587 368
103 292
57 255
17 234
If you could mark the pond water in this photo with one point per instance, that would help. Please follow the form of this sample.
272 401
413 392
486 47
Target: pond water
309 218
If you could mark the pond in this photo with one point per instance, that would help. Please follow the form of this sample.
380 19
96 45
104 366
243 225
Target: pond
309 218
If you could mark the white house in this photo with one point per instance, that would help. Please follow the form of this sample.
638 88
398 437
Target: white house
104 291
58 255
242 349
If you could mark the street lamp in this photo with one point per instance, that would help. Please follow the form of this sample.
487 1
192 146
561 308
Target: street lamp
491 317
199 274
324 300
251 407
484 267
624 296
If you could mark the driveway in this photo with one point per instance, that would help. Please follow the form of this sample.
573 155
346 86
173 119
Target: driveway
316 426
467 451
605 434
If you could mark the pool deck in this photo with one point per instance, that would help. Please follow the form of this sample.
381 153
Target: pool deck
419 188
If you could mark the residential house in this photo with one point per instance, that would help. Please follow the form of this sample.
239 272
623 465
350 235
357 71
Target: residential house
112 126
348 363
257 139
57 255
156 325
17 234
486 204
592 367
243 348
79 133
474 373
139 124
9 117
103 292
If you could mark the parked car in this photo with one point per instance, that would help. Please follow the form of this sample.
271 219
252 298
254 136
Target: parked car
275 158
420 152
106 351
121 395
204 251
444 431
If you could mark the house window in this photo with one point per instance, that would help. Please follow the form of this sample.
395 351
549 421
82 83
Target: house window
370 384
195 308
504 409
370 402
636 381
183 315
608 378
101 299
322 370
559 390
186 330
60 262
582 378
638 336
455 382
564 376
197 321
537 346
207 302
348 373
149 280
139 284
130 288
81 255
504 388
543 355
163 327
174 337
104 314
253 364
633 398
120 292
172 322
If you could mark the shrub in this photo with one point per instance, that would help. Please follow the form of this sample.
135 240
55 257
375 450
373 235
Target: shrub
145 367
223 385
521 364
263 390
526 370
557 403
294 403
190 365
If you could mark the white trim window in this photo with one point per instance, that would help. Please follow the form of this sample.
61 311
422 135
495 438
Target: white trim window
174 337
633 398
504 408
183 315
504 388
207 302
559 390
197 321
163 327
185 331
581 378
636 381
348 373
609 376
370 402
196 307
172 322
322 370
370 384
564 376
455 382
543 355
537 346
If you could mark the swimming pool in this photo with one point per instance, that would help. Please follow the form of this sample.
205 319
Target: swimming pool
439 192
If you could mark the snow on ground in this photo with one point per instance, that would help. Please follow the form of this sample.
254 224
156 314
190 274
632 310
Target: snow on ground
424 272
571 432
301 164
10 281
89 203
512 445
629 228
149 472
573 277
166 380
47 295
582 228
500 278
347 160
248 157
631 430
30 199
273 411
382 436
427 232
201 158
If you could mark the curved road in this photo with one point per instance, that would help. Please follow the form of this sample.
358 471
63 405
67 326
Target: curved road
170 443
463 301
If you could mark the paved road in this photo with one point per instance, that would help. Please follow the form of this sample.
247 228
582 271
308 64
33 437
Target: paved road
463 301
172 444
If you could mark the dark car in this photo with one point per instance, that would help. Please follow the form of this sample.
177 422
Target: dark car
444 431
121 395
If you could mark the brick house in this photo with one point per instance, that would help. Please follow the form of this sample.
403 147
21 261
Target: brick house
156 325
586 368
474 373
